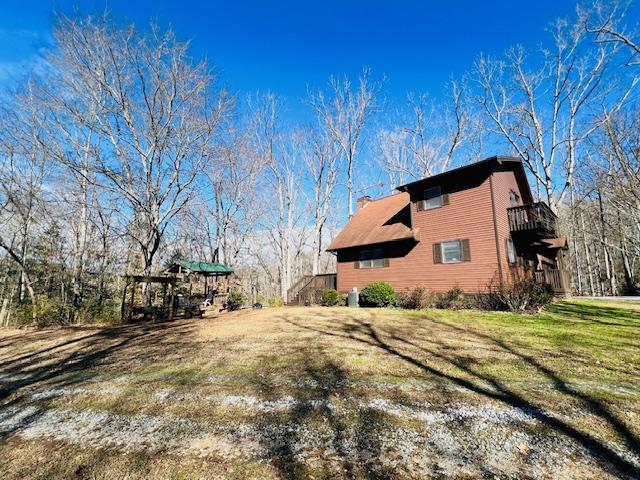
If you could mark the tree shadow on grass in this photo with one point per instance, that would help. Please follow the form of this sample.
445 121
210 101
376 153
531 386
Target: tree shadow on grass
600 314
21 361
354 440
400 346
62 369
594 405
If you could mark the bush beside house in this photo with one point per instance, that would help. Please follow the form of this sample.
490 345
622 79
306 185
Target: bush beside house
520 295
417 299
378 294
524 294
330 297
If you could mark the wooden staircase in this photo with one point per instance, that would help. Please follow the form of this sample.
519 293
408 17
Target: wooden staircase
308 289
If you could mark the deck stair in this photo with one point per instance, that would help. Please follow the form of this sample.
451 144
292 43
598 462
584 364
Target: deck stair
308 289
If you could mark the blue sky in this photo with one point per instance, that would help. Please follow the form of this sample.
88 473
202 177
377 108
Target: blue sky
286 46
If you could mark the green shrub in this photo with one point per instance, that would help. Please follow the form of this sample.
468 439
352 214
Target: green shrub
49 312
21 314
453 299
377 294
105 313
330 297
417 299
262 300
276 302
235 301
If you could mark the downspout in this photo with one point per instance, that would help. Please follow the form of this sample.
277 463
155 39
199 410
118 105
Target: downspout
495 230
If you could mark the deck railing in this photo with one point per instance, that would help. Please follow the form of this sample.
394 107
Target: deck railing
310 287
536 216
558 279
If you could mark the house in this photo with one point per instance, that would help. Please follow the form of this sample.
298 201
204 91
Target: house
474 226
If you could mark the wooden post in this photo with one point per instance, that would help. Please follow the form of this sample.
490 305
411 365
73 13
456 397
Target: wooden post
131 300
171 301
123 305
164 298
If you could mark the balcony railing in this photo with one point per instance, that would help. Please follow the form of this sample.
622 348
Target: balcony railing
534 217
558 279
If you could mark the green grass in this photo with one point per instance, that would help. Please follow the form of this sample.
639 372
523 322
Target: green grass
577 333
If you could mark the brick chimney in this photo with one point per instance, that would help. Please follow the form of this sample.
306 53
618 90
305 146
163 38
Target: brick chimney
362 201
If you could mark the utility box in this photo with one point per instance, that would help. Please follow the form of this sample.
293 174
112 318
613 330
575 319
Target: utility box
354 297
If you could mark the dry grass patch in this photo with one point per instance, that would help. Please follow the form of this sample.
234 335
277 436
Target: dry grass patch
327 392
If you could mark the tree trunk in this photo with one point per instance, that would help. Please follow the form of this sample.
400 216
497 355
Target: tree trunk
599 272
587 255
24 279
4 313
626 264
574 242
609 268
78 258
23 259
350 186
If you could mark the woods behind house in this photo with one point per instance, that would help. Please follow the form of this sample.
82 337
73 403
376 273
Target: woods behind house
124 152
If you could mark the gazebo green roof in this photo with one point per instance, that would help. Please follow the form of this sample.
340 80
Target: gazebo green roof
204 267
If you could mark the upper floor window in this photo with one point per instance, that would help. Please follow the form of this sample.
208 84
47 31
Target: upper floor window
372 259
514 198
432 198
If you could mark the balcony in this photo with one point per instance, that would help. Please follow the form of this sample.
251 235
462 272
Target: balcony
534 218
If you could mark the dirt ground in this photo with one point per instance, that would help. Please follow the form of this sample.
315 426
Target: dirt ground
328 393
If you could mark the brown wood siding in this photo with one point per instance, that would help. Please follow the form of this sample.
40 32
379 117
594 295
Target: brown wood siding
468 215
503 183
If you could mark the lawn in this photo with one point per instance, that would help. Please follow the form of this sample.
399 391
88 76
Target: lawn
328 393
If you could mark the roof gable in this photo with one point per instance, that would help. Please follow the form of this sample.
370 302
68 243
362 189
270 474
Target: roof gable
487 166
379 221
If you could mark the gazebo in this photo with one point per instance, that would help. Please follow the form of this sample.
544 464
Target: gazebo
173 299
213 292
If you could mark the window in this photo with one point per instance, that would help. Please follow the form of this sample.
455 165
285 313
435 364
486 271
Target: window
451 251
432 198
372 259
511 252
514 198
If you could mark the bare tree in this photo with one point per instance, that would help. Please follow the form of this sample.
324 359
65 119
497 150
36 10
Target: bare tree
429 138
394 157
345 112
155 113
320 153
23 174
546 112
231 180
281 220
606 21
